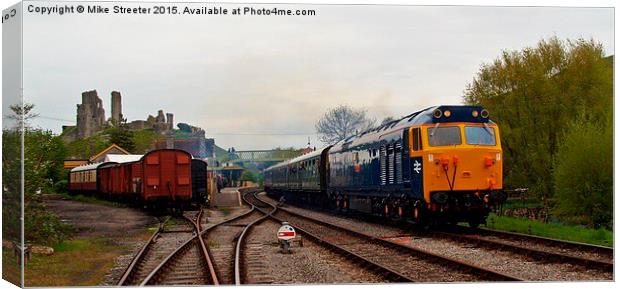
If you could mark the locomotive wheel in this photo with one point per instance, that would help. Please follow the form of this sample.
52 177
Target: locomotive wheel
421 223
344 205
397 213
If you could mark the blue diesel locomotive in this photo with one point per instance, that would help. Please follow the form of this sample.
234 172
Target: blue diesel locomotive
439 165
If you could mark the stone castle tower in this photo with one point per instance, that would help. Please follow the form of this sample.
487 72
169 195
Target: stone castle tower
117 108
90 114
91 117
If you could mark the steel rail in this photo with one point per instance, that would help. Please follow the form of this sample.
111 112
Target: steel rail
386 272
129 271
465 266
602 250
205 251
537 254
178 250
241 239
198 237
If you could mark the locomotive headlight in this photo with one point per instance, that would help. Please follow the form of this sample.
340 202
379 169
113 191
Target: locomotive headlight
474 113
447 113
484 113
498 157
437 113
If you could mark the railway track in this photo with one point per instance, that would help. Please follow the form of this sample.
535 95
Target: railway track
537 248
189 264
601 252
397 262
529 257
169 235
239 268
225 240
174 255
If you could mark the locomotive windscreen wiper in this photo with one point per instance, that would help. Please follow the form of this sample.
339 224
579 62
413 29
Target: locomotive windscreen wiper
434 129
487 129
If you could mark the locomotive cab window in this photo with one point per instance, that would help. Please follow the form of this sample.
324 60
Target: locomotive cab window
417 139
444 136
477 135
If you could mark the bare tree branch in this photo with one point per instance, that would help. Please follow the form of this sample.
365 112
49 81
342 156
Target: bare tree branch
342 122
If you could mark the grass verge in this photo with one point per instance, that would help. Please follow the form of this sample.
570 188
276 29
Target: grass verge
79 262
551 230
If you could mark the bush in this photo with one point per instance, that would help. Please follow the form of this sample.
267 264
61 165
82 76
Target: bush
249 176
583 173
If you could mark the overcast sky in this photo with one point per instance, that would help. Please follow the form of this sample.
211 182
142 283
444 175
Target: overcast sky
259 82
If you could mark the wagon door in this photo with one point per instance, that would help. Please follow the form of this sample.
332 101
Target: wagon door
183 176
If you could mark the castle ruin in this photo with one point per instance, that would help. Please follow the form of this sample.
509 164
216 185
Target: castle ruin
90 114
91 120
117 108
91 117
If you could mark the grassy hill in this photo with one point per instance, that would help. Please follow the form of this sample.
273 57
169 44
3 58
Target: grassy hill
143 141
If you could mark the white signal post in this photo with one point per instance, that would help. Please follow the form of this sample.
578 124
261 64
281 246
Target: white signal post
285 234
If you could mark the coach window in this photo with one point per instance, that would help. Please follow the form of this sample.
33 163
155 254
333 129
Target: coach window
444 136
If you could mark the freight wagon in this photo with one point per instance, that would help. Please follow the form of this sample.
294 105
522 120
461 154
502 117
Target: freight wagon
160 178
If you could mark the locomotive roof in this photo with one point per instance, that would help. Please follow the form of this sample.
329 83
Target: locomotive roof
459 113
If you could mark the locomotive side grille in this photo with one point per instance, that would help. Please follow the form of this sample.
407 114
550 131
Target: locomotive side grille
398 160
390 154
382 159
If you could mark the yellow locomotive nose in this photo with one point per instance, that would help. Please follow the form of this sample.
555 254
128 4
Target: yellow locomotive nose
469 163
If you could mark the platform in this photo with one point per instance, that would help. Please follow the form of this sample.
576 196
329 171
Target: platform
227 197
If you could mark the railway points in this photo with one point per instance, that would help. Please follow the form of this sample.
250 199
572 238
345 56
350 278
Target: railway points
239 251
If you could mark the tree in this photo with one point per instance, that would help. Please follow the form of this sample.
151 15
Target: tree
249 176
122 137
43 170
534 94
583 173
22 114
342 122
